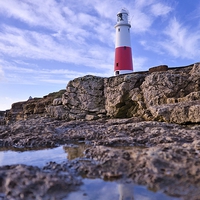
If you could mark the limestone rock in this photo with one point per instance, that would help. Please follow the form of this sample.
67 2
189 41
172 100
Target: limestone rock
32 107
180 113
57 102
57 112
158 68
123 96
173 96
28 182
2 117
162 94
153 116
84 96
85 93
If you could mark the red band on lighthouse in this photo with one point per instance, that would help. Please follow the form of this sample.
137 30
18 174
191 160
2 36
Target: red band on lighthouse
123 54
123 59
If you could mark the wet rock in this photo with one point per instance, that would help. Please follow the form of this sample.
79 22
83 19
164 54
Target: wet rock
28 182
168 168
155 154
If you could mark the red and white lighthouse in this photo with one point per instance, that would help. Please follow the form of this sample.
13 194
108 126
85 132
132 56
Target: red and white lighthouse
123 53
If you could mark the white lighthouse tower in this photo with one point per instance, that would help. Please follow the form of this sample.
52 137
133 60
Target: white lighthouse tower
123 54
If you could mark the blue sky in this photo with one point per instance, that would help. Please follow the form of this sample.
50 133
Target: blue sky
44 44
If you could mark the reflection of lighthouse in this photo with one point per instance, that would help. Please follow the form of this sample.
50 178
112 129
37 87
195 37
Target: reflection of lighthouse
126 192
123 55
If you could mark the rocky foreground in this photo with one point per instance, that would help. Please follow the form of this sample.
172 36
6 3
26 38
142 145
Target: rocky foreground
153 115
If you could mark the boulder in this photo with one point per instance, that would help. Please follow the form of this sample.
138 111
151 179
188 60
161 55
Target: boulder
158 68
84 96
173 96
57 102
123 97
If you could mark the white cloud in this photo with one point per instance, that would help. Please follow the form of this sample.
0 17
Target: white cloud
140 4
1 73
145 13
36 75
141 21
77 35
160 9
35 13
64 20
106 9
152 46
140 63
74 31
82 33
176 39
34 45
181 41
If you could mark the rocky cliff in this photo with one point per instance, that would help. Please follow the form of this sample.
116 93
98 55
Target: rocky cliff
160 94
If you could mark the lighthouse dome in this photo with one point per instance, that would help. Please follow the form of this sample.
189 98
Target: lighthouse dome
123 10
122 16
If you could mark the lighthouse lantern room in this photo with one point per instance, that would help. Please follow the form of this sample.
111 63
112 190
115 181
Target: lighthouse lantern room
123 54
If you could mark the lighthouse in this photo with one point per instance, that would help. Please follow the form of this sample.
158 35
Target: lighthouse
123 54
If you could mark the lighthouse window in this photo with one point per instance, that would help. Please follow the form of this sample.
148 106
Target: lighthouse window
117 64
119 29
124 47
119 17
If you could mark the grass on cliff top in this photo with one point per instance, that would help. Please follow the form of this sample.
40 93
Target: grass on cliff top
55 95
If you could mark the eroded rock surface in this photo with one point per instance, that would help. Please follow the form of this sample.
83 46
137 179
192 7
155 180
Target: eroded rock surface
170 95
29 182
160 155
153 115
45 132
173 96
32 108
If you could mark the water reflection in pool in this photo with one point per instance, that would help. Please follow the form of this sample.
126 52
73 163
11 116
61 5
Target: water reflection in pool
39 157
32 157
92 189
98 189
75 151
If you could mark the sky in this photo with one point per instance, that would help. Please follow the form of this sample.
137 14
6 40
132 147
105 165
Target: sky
45 44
